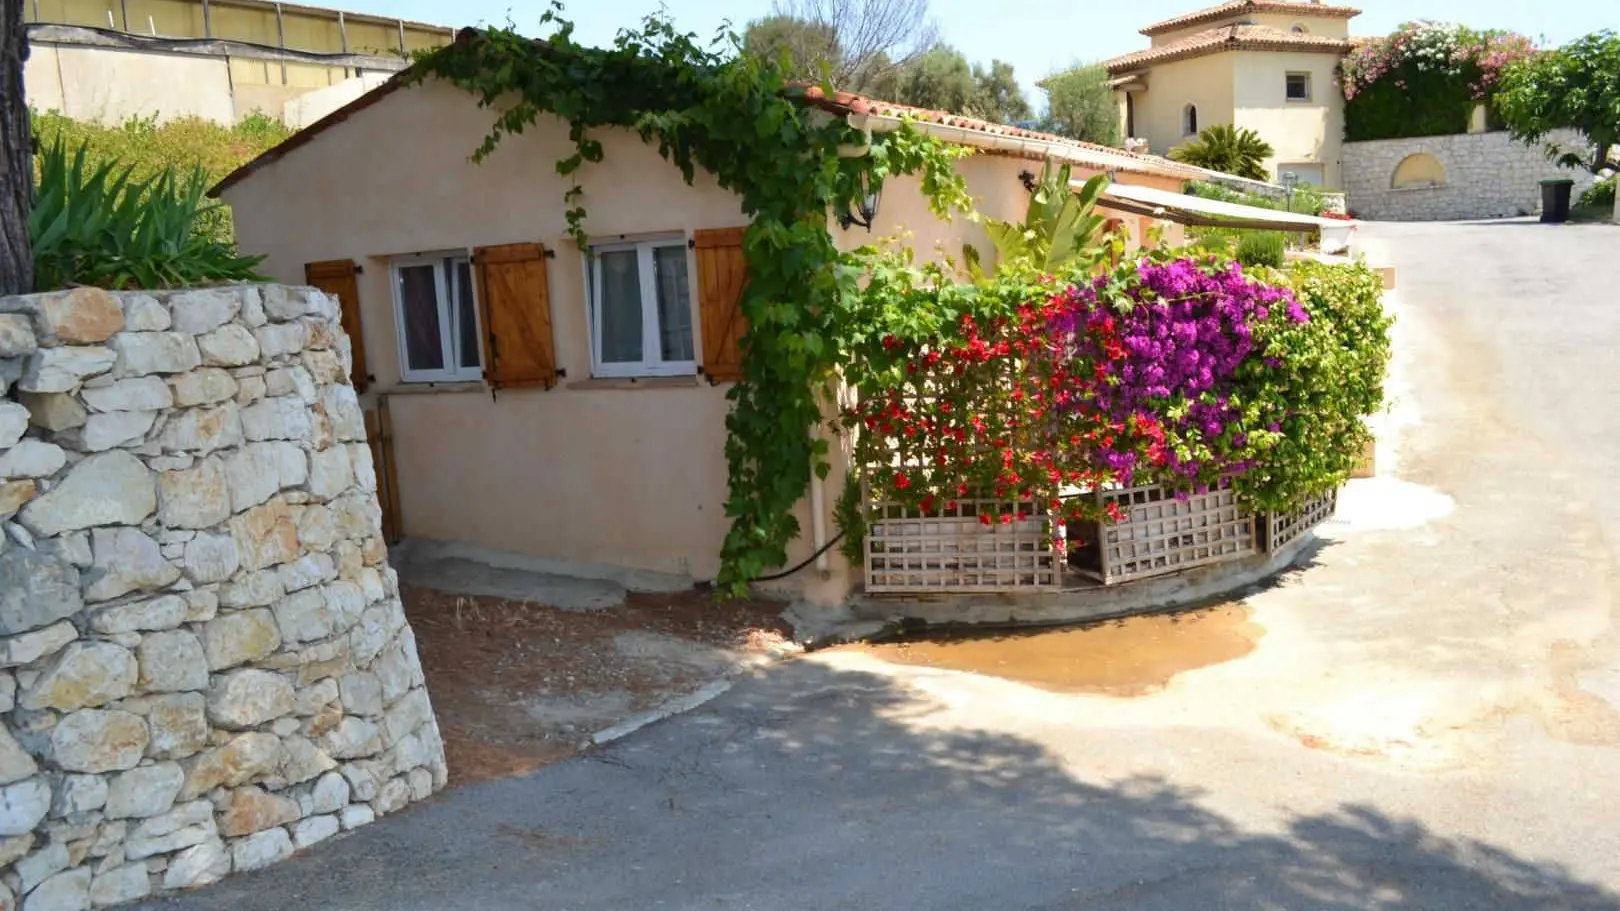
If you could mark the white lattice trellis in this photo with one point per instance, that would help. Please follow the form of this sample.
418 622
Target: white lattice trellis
1284 528
1161 534
954 551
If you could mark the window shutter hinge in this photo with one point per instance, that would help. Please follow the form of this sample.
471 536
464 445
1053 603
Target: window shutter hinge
562 372
550 254
691 243
359 269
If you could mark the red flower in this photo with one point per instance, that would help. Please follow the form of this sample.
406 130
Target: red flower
1006 518
984 518
901 482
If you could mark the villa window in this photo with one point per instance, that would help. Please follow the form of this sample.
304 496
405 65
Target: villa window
641 309
1189 120
1298 87
437 317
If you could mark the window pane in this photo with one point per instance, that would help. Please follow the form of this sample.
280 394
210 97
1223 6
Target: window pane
674 304
466 319
621 306
419 304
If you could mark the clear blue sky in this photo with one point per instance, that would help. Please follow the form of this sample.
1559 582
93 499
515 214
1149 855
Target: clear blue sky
1036 36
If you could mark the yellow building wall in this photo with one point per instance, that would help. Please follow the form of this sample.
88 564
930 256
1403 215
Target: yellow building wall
301 29
109 86
1301 133
1315 25
1204 81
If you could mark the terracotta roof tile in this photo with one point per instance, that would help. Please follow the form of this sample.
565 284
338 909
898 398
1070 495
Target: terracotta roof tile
1100 156
1227 38
1238 7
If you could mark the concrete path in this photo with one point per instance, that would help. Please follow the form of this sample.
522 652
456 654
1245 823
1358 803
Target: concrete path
1428 720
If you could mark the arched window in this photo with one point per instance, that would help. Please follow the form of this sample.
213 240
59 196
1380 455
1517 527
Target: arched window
1189 120
1418 171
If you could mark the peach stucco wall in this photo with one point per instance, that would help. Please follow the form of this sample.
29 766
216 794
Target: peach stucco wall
1300 132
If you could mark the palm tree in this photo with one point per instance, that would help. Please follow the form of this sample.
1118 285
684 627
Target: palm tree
1225 148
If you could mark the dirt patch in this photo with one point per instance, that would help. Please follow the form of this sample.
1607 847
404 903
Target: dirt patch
518 685
1129 657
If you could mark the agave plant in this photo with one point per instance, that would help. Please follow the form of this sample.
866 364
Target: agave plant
102 227
1059 228
1228 149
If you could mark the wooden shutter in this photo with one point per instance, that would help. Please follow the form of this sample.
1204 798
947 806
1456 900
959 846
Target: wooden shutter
514 305
722 273
337 277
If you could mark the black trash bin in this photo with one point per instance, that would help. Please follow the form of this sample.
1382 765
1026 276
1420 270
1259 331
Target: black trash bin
1555 200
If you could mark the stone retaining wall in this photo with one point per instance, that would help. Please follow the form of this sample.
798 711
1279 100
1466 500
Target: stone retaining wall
204 662
1488 175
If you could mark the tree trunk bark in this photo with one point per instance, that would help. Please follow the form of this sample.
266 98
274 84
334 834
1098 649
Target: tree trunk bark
16 154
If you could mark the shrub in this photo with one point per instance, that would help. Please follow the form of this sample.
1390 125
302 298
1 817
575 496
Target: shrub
1600 194
1261 248
1424 79
1230 150
104 227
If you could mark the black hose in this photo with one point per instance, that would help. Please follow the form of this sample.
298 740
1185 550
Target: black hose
807 561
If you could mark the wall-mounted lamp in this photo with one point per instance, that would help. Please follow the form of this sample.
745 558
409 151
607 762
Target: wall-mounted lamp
866 205
1290 180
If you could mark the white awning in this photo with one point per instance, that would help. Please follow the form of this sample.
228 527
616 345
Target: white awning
1195 210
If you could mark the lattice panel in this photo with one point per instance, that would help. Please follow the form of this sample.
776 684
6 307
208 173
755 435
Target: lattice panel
954 551
1283 529
1161 534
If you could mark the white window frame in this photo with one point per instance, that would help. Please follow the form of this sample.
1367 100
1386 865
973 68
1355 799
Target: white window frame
1310 90
652 361
450 331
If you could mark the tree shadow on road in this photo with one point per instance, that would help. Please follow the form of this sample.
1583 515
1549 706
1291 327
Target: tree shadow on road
810 787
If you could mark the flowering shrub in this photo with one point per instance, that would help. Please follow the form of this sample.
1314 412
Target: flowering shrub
1181 371
1424 79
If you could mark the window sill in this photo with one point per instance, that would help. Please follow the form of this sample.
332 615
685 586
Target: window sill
431 388
645 382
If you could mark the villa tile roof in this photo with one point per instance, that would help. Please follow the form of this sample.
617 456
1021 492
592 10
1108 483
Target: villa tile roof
1227 38
1239 7
1085 153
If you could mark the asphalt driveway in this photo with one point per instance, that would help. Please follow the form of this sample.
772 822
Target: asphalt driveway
1428 719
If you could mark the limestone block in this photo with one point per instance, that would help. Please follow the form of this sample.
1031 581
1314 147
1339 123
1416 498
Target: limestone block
252 307
260 849
26 648
228 346
314 830
254 589
363 780
345 604
13 496
203 310
421 783
342 405
8 696
362 693
178 723
411 712
41 865
376 629
143 353
201 605
198 865
110 488
32 459
265 535
365 471
352 738
66 891
284 303
15 763
23 805
303 616
314 697
248 758
236 638
125 561
280 340
79 794
249 809
13 423
330 472
119 885
104 431
248 698
358 516
317 527
330 794
308 570
140 844
210 558
279 418
166 612
140 393
325 367
76 317
63 369
259 470
304 759
203 386
53 411
96 740
203 430
142 313
198 497
392 796
250 389
356 815
16 335
145 791
172 661
398 669
82 675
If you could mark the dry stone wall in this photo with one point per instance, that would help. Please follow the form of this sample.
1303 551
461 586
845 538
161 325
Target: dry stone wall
1488 175
204 662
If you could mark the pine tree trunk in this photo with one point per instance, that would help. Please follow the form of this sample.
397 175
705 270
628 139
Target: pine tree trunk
16 154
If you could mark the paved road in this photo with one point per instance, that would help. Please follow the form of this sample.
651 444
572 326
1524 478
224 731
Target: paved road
1429 719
